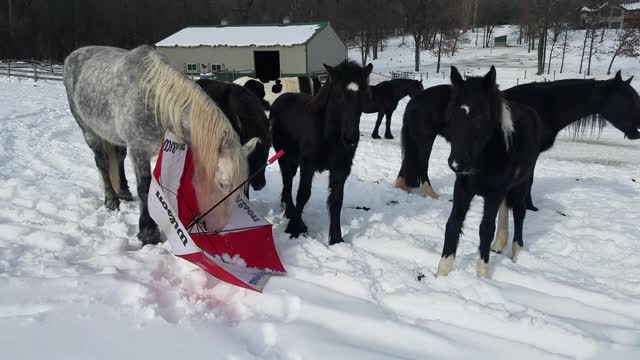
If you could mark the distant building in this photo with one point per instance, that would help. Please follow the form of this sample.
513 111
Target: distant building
611 16
266 52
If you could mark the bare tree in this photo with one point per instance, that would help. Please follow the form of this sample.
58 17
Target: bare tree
627 42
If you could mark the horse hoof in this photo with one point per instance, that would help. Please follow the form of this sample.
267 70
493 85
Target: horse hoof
375 136
530 207
388 136
295 228
125 195
335 241
149 236
112 203
482 268
444 266
401 183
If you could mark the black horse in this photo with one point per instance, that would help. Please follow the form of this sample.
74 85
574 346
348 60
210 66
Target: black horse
248 119
320 133
577 103
494 146
257 88
384 100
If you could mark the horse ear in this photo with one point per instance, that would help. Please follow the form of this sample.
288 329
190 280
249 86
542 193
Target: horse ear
618 76
328 68
368 69
490 78
249 146
456 78
628 81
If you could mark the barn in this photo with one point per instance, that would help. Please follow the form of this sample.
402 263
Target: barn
266 52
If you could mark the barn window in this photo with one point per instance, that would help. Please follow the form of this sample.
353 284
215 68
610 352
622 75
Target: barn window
192 68
217 67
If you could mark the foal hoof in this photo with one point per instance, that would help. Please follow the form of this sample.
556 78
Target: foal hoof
388 136
125 195
295 228
112 203
375 136
149 236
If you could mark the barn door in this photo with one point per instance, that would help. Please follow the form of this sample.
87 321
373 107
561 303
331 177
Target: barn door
267 65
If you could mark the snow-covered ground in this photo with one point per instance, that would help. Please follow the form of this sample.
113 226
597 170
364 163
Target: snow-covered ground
76 284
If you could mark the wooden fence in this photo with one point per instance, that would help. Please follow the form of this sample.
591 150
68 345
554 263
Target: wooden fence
31 69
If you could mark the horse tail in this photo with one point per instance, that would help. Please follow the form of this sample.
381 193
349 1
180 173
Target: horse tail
182 107
114 169
409 175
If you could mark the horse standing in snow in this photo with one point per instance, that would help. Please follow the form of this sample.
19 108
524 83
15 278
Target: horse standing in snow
271 90
248 119
494 146
576 103
384 100
320 133
127 100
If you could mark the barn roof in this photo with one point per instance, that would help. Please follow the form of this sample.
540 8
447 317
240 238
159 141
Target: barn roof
244 35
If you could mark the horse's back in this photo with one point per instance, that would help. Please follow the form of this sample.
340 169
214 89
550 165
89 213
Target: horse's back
291 120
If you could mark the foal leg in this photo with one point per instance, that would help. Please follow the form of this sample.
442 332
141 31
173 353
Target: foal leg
530 205
296 226
387 133
337 178
101 158
461 201
487 230
375 134
148 232
503 228
125 193
519 212
426 190
288 167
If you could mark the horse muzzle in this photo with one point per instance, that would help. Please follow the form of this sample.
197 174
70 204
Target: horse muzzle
633 135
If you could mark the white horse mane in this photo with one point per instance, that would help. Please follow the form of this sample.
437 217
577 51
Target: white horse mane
179 104
506 123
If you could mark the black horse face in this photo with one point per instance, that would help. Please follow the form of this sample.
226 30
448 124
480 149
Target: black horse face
472 117
256 160
349 83
621 105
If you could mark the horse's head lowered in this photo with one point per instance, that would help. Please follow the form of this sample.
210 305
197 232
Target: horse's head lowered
620 105
476 113
347 90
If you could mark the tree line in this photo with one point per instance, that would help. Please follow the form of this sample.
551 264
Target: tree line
50 29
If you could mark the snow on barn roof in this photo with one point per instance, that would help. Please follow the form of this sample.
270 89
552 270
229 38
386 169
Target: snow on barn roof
243 35
632 6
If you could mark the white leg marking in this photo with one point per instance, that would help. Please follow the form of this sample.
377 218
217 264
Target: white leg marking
482 268
445 265
427 191
515 250
503 228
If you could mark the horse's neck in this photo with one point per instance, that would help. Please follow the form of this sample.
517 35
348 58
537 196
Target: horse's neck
578 104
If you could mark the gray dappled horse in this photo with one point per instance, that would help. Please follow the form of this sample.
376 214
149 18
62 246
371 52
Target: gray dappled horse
127 100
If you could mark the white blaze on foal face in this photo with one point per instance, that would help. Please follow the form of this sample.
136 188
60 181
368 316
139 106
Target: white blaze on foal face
465 108
353 87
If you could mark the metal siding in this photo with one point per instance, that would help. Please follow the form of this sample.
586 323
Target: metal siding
292 58
325 48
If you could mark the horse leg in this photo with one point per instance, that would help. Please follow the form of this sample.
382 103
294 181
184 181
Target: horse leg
288 168
337 178
530 205
296 226
519 211
487 231
425 153
101 157
375 134
148 232
461 201
124 193
503 228
387 133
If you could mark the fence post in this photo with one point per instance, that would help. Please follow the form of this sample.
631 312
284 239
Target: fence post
525 74
35 72
517 81
51 66
9 69
554 75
